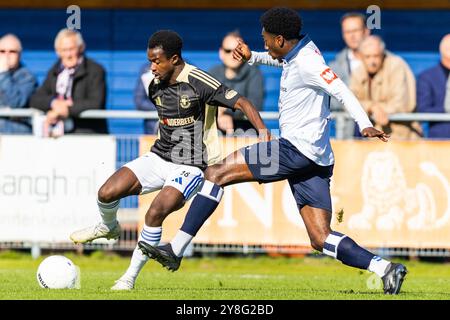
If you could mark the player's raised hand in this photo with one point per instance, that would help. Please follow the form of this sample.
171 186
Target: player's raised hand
371 132
242 52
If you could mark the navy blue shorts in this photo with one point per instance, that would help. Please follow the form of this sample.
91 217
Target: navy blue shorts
279 159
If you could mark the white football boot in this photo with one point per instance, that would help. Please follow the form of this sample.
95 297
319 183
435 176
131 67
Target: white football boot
124 283
98 231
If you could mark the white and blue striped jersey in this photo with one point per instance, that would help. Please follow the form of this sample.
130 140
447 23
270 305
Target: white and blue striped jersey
304 104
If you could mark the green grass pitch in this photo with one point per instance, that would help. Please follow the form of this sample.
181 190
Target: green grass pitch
260 278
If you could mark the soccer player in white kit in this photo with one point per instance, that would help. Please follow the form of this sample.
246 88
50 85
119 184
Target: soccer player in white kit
303 154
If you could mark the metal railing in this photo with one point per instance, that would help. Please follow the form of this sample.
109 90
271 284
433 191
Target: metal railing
339 117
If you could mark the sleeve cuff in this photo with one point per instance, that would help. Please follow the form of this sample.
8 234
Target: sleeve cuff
251 61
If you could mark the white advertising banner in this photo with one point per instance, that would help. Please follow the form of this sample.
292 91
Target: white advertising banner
48 186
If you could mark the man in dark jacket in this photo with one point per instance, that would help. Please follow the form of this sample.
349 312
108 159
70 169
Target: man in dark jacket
142 101
74 84
431 89
245 79
17 84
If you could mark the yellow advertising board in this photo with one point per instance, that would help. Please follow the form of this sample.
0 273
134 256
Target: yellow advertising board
394 194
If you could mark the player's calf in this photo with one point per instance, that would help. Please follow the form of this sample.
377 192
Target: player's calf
156 215
318 239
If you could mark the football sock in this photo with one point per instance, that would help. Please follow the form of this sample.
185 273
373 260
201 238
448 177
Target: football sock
202 206
378 265
108 212
180 242
138 260
344 249
150 235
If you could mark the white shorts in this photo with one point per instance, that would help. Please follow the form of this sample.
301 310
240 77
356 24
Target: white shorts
155 173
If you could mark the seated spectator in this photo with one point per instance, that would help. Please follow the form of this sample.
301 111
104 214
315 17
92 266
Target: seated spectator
74 84
433 89
385 85
17 84
142 101
447 96
354 30
245 79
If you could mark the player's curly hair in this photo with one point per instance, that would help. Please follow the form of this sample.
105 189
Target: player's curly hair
168 40
282 21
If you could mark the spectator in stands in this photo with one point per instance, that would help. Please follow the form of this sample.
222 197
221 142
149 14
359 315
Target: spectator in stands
447 96
354 30
74 84
384 84
433 88
142 101
245 79
17 84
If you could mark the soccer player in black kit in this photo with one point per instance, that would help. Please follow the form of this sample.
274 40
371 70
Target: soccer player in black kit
186 99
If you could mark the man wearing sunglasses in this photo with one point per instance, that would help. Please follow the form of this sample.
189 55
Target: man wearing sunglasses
245 79
17 84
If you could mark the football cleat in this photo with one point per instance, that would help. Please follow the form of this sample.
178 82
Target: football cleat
123 284
393 278
163 254
98 231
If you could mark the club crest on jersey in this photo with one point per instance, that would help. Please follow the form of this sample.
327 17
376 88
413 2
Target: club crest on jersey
328 75
185 102
230 94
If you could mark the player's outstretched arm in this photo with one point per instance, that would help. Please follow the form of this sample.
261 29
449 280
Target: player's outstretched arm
371 132
242 52
254 117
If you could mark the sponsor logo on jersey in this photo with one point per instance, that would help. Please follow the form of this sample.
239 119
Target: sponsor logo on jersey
230 94
328 75
185 102
178 121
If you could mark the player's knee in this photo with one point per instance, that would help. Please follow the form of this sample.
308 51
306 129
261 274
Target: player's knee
106 194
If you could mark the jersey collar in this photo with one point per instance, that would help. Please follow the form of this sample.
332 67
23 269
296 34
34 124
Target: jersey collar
184 73
294 51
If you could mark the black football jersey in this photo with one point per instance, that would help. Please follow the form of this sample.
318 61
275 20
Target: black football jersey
187 113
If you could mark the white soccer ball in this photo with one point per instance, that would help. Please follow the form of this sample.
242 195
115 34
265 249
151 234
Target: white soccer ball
57 272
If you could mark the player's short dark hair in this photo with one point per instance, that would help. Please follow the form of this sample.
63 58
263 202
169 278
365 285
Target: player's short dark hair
282 21
354 14
168 40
